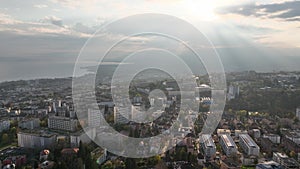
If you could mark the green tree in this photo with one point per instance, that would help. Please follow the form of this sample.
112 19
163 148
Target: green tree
4 139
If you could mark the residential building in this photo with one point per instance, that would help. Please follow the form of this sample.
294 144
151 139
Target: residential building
29 124
269 165
248 145
62 123
208 145
256 133
227 144
94 118
36 140
285 161
298 112
119 118
275 138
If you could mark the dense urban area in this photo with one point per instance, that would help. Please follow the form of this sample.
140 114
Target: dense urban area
260 127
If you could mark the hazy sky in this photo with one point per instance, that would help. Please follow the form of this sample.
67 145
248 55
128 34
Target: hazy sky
43 38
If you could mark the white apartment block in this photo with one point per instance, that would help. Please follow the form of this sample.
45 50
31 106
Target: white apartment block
62 123
248 145
208 145
227 144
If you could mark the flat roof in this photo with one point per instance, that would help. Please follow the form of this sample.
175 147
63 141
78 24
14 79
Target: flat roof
228 140
248 140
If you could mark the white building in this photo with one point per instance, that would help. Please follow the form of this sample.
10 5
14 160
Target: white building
29 124
248 145
227 144
208 145
62 123
4 125
298 112
223 131
233 92
285 161
238 132
100 155
85 136
121 118
273 137
94 118
256 133
36 140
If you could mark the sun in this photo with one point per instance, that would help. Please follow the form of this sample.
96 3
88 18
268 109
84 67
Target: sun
200 10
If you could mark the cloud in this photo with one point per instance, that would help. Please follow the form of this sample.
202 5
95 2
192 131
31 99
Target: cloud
53 20
288 11
7 20
40 6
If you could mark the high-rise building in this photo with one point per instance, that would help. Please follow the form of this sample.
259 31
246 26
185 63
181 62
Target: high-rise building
94 118
29 124
227 144
298 113
248 145
62 123
208 145
119 118
233 92
36 140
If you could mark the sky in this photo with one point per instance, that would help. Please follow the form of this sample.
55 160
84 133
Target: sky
41 39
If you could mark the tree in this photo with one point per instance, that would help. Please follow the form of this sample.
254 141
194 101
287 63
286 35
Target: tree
107 165
292 154
5 138
130 163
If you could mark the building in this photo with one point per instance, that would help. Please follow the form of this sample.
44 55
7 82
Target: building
233 92
100 155
248 145
256 133
298 113
62 123
238 132
269 165
290 145
223 131
29 124
230 164
285 161
94 118
228 145
119 118
208 145
275 138
36 140
267 146
4 125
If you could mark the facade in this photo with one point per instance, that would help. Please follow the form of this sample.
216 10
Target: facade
227 144
248 145
208 145
268 165
233 92
298 112
285 161
62 123
118 117
273 137
100 155
29 124
256 133
94 118
223 131
35 140
4 125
